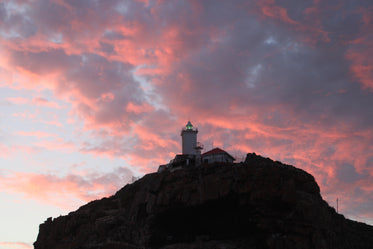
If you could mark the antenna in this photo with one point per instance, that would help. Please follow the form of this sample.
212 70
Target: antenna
337 205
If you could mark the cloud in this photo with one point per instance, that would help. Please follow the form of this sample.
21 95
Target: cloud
38 134
17 245
57 144
18 100
347 173
137 109
67 190
39 101
288 79
361 61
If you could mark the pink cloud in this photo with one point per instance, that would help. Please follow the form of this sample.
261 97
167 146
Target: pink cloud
308 24
361 61
302 107
58 144
65 191
6 76
39 101
107 97
26 114
138 109
17 245
4 150
269 9
36 134
18 100
52 122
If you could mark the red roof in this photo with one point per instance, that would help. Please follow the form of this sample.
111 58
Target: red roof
216 151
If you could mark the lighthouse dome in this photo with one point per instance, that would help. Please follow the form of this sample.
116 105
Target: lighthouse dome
189 126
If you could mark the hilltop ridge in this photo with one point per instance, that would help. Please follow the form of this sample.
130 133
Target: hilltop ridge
259 203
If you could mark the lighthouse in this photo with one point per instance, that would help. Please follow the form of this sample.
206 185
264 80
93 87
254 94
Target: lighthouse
190 146
191 152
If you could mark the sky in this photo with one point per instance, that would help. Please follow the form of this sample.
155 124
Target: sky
93 93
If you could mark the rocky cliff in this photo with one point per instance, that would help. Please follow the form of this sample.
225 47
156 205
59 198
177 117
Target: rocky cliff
256 204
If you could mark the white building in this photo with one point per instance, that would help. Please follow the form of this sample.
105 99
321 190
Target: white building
217 155
189 143
191 152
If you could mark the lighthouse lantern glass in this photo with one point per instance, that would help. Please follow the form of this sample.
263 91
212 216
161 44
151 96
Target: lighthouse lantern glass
189 126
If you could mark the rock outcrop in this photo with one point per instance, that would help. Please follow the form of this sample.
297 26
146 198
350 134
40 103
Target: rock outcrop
256 204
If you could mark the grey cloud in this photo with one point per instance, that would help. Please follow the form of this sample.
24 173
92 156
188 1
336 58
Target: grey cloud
107 48
304 80
230 56
44 62
14 24
347 173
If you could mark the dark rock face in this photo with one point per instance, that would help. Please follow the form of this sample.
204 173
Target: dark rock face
256 204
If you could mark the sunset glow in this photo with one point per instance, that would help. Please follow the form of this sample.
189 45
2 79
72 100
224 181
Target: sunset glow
96 92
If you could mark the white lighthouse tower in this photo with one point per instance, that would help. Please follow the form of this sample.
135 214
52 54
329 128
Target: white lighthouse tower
190 146
191 150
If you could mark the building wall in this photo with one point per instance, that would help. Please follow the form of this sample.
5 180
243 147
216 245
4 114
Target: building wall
216 158
189 142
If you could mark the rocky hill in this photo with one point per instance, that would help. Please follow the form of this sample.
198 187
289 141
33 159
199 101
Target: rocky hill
256 204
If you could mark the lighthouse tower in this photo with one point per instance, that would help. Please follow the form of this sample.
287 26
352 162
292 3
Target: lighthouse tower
190 146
